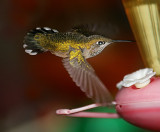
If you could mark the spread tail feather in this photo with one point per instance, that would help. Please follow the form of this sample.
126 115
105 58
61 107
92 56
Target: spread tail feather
31 45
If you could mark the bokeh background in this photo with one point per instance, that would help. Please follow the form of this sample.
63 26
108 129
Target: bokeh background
33 87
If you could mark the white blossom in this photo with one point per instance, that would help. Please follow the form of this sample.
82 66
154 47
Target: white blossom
140 78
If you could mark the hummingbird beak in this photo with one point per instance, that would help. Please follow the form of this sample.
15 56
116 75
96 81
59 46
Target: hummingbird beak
116 41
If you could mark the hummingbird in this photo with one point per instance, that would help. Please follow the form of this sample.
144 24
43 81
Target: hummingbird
74 47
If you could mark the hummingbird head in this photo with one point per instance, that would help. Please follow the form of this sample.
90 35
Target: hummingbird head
98 43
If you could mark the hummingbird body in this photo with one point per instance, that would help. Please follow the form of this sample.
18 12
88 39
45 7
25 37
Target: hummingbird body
61 44
74 47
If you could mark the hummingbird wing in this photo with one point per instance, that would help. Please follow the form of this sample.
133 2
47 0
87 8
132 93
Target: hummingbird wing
82 29
84 76
93 29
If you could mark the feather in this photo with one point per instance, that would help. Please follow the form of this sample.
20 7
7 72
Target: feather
84 77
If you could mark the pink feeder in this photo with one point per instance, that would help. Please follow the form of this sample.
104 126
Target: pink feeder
141 107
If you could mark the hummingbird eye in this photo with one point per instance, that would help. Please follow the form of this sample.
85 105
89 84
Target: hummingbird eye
100 42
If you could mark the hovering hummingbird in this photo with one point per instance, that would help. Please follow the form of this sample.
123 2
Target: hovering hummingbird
74 47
